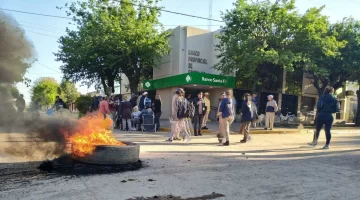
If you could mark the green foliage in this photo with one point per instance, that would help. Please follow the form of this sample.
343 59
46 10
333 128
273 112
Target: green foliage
68 92
45 89
262 38
113 37
83 103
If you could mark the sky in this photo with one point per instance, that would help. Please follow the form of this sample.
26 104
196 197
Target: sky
45 31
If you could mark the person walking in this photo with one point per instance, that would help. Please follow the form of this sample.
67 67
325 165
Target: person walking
125 112
58 105
104 107
181 103
271 108
20 104
219 135
207 111
226 115
174 135
249 115
200 110
95 104
157 111
327 105
255 100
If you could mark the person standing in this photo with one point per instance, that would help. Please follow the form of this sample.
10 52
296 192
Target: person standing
59 104
142 101
125 112
327 105
271 108
207 111
95 104
249 114
20 104
157 111
200 110
113 109
104 107
226 115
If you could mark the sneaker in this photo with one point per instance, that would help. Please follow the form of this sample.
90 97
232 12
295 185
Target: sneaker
168 140
177 139
199 134
312 144
243 141
265 129
187 139
227 143
205 128
326 147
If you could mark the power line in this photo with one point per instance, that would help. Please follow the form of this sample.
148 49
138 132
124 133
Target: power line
42 29
39 14
61 17
48 67
172 12
42 34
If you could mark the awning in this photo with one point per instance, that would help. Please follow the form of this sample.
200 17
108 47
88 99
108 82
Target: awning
192 78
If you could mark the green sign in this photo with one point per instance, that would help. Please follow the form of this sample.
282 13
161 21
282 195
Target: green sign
192 78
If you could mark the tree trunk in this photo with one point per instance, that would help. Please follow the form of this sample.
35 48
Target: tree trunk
133 84
357 116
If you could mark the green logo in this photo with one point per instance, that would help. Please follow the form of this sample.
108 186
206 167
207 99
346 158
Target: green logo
188 78
147 84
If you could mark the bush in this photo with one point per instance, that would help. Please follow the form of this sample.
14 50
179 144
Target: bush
83 104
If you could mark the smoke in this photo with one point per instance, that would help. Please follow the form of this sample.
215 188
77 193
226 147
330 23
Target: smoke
16 51
38 136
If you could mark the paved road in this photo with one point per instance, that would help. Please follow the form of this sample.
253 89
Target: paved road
270 167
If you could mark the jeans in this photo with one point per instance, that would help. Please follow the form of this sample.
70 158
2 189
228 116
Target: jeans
124 124
157 120
198 119
321 120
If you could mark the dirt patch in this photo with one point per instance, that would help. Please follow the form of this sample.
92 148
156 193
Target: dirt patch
171 197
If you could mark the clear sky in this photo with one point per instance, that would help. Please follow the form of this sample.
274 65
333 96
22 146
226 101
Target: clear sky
44 31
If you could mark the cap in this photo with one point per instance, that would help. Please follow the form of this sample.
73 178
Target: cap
145 93
223 94
270 96
206 93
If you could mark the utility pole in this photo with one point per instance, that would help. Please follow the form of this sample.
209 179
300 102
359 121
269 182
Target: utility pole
210 14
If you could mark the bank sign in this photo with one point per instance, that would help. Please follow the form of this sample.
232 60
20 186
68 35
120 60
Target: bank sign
192 78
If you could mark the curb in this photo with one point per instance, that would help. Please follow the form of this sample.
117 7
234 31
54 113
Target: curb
253 131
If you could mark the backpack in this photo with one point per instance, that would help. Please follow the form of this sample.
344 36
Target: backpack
147 102
190 109
181 112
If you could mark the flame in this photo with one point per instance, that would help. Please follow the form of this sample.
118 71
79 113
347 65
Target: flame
90 131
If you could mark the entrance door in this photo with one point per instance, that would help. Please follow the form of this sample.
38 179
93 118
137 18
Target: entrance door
289 104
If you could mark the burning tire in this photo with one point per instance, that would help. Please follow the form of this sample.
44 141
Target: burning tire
113 154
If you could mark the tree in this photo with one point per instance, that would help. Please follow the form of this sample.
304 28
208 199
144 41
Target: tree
68 92
264 40
113 37
45 89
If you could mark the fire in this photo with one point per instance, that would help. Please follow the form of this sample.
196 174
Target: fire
91 131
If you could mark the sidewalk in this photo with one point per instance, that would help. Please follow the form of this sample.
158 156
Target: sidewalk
214 128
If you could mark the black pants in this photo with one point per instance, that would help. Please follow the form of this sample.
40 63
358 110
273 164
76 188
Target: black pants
327 120
198 119
157 120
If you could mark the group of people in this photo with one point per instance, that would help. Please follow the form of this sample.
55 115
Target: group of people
129 112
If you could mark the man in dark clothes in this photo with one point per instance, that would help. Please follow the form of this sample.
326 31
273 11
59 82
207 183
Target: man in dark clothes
95 104
20 104
133 100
